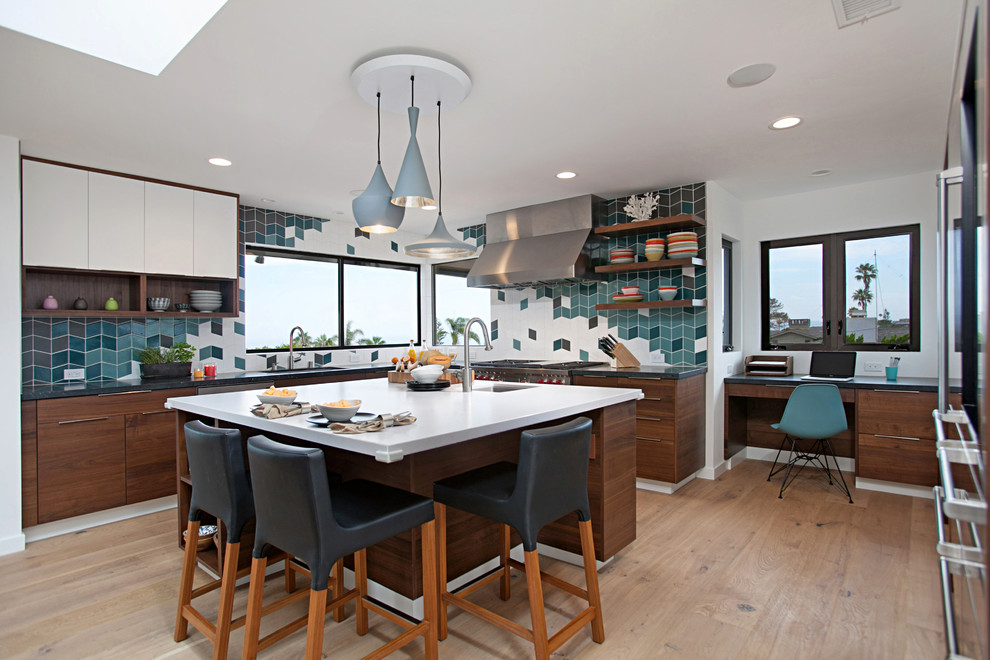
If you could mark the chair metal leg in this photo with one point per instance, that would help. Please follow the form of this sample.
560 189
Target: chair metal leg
504 533
185 583
789 466
773 468
845 487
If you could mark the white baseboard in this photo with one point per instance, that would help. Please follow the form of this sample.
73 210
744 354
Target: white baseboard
910 490
662 486
713 473
556 553
764 454
12 544
736 459
89 520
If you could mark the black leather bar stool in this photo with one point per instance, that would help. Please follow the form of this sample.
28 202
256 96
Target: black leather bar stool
549 482
300 512
220 488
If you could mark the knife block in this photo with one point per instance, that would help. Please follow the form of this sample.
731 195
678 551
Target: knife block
623 358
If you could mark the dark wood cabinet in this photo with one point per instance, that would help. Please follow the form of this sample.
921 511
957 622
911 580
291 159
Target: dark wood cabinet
670 424
29 463
149 444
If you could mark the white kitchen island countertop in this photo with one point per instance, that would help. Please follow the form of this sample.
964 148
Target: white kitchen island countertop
443 418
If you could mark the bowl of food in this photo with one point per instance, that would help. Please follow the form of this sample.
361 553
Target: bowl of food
205 539
280 396
339 411
427 374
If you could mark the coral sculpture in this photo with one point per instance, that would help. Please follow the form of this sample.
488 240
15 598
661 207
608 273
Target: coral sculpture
641 208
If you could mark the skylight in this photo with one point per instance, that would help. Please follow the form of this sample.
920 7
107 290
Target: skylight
144 35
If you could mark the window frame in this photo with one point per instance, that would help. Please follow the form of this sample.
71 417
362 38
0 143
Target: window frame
341 261
834 289
727 296
446 268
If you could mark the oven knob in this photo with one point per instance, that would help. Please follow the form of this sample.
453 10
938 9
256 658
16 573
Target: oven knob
540 381
558 382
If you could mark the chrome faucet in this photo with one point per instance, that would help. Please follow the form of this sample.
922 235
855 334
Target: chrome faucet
468 376
302 338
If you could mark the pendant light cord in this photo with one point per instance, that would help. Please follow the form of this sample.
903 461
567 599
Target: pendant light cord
412 96
379 95
439 166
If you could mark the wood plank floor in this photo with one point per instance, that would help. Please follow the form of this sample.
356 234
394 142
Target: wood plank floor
721 569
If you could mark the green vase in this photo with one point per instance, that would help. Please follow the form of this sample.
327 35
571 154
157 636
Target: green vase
111 305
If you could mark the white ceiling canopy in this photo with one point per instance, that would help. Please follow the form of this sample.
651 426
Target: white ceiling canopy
144 35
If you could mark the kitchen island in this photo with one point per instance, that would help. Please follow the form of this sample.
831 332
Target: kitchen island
455 431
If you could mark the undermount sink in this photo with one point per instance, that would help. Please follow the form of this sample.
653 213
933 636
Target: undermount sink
505 387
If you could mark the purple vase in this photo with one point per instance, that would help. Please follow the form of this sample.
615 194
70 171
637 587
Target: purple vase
49 303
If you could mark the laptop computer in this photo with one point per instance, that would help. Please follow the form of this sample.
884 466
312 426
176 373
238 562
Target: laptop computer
832 366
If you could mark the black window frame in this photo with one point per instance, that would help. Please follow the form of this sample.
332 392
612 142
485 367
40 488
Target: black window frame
727 299
341 261
833 289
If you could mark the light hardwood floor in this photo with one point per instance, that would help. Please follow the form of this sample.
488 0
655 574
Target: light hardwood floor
721 569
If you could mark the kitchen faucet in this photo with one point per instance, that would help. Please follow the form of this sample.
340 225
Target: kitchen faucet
467 377
302 339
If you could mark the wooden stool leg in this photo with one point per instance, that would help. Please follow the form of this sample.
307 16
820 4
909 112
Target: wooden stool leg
429 545
337 582
314 626
252 623
591 581
536 612
503 544
440 513
186 581
227 584
290 576
361 584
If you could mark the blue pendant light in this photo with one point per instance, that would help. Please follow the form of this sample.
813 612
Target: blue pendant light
439 244
412 188
373 209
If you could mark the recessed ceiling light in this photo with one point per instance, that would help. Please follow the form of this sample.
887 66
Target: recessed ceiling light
566 175
751 75
140 35
821 172
220 162
785 122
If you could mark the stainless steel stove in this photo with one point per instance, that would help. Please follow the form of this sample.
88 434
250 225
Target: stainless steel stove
528 371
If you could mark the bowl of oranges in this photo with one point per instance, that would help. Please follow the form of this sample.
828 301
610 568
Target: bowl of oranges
339 411
280 396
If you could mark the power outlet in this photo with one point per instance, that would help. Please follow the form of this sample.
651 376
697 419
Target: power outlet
729 370
74 374
873 367
355 357
657 357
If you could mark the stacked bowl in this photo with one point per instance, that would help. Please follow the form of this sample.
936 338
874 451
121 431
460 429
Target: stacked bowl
654 249
682 244
158 304
622 255
206 301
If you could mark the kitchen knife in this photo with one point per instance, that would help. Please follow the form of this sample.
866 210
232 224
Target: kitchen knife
608 342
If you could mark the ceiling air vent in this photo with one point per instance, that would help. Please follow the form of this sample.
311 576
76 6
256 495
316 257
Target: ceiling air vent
849 12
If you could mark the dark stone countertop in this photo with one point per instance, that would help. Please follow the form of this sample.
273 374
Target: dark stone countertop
87 388
909 383
642 371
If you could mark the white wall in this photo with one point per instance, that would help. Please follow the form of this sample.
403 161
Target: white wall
11 537
885 203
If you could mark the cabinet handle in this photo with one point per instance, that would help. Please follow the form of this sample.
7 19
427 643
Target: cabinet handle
157 412
650 419
897 437
787 386
898 391
590 376
125 393
653 398
88 419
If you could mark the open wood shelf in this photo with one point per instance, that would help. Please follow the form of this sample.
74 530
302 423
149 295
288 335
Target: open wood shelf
684 221
650 265
653 304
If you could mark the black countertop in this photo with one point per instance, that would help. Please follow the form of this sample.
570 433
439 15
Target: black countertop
642 371
87 388
917 384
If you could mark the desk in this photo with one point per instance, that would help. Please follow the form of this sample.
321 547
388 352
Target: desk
891 434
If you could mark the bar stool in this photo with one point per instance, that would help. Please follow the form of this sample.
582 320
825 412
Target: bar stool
300 512
220 488
550 481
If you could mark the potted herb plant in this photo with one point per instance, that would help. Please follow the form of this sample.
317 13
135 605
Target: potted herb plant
161 362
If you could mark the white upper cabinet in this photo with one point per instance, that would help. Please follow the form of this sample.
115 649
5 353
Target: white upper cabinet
116 223
56 215
168 229
215 232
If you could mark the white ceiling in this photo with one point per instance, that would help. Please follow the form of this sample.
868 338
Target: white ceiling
629 94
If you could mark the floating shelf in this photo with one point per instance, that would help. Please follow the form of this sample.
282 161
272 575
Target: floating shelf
653 304
650 265
647 226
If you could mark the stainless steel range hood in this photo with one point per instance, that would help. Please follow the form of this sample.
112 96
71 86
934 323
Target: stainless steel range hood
542 244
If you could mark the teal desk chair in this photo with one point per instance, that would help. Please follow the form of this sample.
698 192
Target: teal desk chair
813 414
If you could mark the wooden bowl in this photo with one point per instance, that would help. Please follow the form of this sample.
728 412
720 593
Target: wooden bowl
205 540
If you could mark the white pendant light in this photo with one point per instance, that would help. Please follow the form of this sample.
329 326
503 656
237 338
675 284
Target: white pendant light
373 208
412 188
439 244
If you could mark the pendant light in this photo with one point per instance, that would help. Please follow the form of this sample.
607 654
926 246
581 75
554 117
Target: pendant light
412 188
439 244
373 210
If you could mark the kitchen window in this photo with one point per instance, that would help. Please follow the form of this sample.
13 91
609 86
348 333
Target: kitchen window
339 302
847 291
454 303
